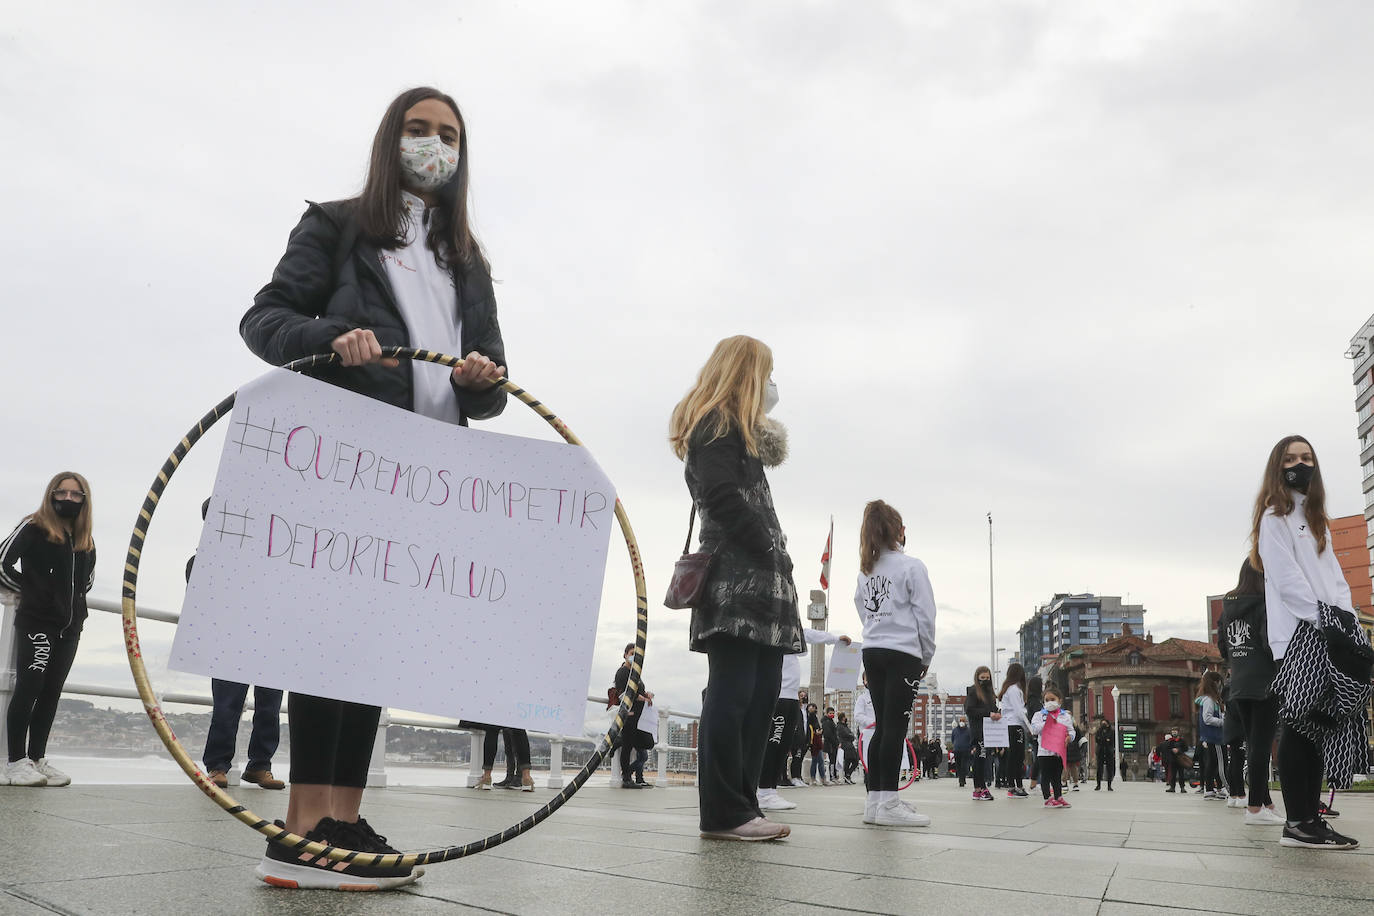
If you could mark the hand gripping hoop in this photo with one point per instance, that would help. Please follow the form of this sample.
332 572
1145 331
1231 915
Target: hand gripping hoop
267 828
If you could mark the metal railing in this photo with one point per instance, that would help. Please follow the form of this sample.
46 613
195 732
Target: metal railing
377 776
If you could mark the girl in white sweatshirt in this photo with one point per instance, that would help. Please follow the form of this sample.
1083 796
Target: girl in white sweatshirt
897 607
1013 703
1051 764
1291 543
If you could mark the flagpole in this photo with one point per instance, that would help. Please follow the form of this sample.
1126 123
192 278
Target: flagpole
992 619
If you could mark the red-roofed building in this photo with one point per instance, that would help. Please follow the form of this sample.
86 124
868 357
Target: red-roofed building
1158 682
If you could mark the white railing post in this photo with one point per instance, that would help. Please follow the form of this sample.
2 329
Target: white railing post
8 602
475 757
555 762
376 771
662 748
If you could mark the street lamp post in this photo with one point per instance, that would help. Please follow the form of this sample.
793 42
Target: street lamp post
1116 728
992 618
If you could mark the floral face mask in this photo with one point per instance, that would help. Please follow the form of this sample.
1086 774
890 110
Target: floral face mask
426 163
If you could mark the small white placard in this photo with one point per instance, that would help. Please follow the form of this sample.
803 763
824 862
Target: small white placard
648 719
846 664
362 552
995 733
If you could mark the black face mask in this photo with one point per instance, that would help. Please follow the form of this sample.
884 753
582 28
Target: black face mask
1299 476
66 509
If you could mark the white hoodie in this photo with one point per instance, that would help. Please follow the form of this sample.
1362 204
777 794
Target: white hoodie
791 664
897 606
1014 707
1296 577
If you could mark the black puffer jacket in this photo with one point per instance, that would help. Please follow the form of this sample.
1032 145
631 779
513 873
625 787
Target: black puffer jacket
53 584
318 292
750 594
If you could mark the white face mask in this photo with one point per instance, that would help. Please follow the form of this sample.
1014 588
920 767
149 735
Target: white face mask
1051 705
426 163
770 397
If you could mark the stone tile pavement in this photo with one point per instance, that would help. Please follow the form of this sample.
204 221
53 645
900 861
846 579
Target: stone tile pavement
1137 851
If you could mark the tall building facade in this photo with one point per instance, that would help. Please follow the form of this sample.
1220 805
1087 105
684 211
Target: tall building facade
1075 620
1361 355
942 714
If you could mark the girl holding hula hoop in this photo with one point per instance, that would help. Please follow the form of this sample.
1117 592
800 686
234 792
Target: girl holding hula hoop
396 266
57 555
897 606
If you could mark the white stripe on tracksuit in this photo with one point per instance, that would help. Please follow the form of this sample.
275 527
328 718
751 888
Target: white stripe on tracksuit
5 580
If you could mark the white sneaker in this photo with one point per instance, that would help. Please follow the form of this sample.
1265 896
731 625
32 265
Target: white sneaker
870 808
55 776
772 801
1235 801
23 773
1264 817
897 813
799 782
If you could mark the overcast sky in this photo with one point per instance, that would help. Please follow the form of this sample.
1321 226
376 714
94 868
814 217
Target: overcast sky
1076 264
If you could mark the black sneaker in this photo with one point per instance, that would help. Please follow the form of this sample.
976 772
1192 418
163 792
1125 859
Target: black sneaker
627 784
290 868
1315 835
360 836
1324 811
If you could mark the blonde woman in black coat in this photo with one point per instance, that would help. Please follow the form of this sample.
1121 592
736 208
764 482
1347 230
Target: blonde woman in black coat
747 619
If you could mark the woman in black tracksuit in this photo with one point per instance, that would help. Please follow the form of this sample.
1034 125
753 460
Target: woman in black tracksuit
49 559
396 266
980 703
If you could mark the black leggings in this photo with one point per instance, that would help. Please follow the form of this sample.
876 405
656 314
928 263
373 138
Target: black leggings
892 681
517 747
331 740
1052 776
1015 757
786 717
1260 720
1300 776
43 659
1209 767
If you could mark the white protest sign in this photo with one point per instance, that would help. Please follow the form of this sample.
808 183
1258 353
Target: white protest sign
995 733
648 719
357 551
845 664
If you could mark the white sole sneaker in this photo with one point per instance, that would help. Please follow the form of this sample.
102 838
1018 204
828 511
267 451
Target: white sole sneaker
309 877
775 803
1263 818
899 815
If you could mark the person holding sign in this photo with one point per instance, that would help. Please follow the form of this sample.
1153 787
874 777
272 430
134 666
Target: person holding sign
897 606
747 618
1054 726
980 703
49 560
397 265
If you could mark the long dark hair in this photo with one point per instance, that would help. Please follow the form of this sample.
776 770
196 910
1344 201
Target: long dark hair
379 210
984 691
1015 675
1274 494
1250 581
881 530
1210 686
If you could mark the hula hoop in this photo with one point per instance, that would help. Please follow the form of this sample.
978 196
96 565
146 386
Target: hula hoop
910 750
267 828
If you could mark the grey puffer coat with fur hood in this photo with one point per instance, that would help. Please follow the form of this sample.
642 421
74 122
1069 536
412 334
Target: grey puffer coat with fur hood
750 594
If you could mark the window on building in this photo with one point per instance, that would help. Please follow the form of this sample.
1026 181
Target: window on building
1133 658
1175 705
1135 707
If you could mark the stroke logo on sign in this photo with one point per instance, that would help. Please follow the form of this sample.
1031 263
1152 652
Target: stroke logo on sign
359 551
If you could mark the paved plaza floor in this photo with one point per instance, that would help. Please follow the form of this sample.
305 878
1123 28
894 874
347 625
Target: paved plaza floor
1133 852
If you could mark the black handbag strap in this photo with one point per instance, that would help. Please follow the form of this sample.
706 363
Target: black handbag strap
691 523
